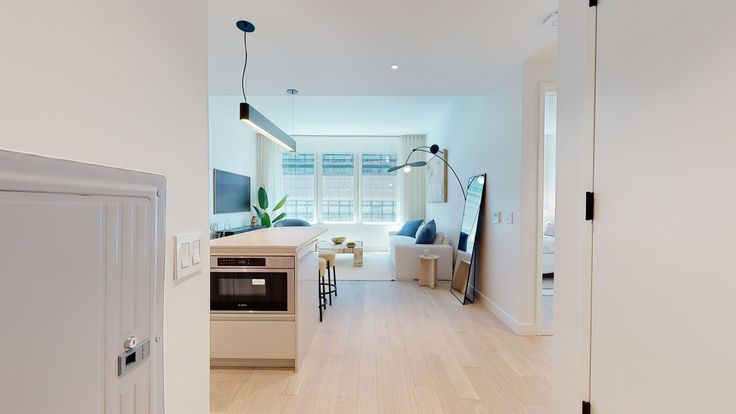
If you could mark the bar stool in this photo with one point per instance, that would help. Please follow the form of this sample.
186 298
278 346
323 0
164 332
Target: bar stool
329 256
321 284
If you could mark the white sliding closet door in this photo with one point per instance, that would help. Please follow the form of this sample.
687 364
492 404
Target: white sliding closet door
664 234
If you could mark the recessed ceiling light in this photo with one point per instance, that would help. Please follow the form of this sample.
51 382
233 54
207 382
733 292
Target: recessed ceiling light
394 67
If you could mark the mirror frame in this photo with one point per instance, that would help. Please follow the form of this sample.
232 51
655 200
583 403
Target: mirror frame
469 268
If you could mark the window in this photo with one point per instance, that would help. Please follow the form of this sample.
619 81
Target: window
379 188
341 188
338 188
299 185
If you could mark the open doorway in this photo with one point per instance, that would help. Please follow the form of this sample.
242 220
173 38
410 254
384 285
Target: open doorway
546 207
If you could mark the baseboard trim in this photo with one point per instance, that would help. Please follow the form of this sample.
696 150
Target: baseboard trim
250 363
521 329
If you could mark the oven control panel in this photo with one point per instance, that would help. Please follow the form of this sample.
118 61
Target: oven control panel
252 262
241 261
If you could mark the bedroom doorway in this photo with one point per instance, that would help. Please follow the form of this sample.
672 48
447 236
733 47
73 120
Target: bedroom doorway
546 213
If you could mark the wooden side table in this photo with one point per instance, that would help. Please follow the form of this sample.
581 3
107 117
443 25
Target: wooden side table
428 270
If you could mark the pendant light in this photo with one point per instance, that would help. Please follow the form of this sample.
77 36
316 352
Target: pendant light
248 114
293 92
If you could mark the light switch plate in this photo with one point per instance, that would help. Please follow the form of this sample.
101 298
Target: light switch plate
509 217
188 255
196 253
496 217
184 253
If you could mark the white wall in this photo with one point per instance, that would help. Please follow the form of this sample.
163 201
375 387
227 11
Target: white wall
123 84
232 148
499 135
483 135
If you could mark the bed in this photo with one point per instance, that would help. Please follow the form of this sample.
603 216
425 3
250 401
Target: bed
548 250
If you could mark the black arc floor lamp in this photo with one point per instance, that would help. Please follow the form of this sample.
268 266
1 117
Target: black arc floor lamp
434 149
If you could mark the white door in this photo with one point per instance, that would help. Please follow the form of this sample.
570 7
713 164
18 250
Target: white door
664 234
80 271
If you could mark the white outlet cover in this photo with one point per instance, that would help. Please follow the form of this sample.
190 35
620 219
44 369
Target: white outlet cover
185 245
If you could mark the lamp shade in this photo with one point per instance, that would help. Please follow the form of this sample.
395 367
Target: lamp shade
411 164
254 119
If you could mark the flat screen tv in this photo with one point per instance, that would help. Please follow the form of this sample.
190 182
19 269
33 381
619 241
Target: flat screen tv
231 192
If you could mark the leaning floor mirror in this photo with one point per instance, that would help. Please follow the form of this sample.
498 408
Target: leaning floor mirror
463 281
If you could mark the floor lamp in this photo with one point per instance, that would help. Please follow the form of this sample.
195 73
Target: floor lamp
434 149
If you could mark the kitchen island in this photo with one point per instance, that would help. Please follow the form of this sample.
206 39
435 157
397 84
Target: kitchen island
277 337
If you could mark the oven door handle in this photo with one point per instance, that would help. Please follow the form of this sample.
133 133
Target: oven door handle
236 270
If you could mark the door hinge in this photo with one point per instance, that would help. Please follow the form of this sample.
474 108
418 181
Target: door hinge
589 205
586 407
592 3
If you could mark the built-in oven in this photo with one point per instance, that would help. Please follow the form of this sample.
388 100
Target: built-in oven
252 284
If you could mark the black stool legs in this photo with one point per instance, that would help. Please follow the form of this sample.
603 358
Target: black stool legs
322 299
334 277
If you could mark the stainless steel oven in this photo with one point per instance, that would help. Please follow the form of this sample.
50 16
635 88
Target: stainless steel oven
252 284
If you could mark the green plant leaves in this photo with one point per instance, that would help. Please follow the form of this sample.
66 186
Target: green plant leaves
262 198
259 212
263 205
266 220
281 203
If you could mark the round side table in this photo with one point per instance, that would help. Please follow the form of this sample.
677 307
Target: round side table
428 270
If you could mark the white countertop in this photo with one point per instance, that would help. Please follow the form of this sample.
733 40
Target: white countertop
274 240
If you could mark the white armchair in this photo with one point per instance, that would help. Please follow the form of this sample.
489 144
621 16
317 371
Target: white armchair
405 256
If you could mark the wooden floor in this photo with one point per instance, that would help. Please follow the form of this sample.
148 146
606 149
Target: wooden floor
392 347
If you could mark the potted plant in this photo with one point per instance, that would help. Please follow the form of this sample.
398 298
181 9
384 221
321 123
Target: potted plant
262 209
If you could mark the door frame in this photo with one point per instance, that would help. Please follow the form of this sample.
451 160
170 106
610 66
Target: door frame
544 88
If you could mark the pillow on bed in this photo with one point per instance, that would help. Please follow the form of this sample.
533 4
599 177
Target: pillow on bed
549 229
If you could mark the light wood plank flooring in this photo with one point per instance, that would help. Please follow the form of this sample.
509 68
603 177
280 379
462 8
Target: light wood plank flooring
393 347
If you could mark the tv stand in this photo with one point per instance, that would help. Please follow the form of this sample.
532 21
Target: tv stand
236 230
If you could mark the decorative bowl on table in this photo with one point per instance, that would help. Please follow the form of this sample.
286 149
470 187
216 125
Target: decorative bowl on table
350 245
338 240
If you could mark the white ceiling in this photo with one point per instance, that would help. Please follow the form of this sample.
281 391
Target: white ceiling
346 47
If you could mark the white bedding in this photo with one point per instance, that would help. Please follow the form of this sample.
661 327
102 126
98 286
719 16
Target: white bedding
548 244
548 254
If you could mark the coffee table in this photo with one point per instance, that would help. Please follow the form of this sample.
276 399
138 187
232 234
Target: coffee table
342 248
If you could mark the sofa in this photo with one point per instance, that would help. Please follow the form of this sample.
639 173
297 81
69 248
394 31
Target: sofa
405 256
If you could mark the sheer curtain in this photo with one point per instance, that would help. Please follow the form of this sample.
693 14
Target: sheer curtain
270 174
413 184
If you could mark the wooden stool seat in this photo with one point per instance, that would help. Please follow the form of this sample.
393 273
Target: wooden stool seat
329 257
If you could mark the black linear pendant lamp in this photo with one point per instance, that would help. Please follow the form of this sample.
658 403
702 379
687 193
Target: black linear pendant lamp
248 113
434 150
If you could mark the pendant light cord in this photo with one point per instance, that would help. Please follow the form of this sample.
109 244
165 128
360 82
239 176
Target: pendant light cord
245 65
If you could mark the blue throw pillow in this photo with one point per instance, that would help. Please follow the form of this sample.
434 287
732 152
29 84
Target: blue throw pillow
410 228
428 233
